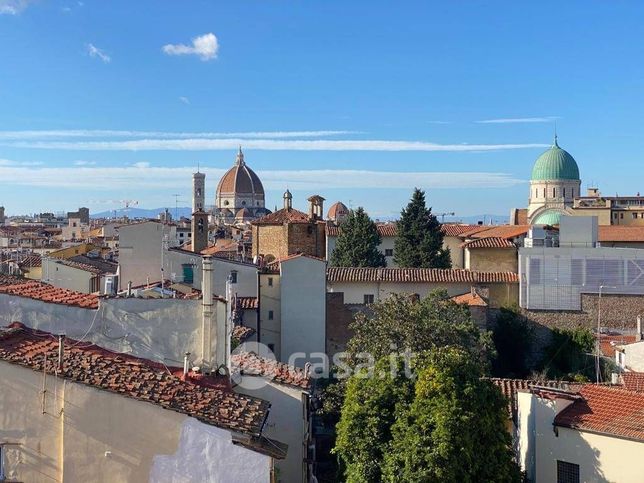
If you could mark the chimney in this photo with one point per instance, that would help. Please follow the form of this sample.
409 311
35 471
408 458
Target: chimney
288 200
129 288
186 364
61 351
639 336
207 311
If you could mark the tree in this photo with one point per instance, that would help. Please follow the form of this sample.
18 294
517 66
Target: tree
568 354
370 409
401 322
455 428
512 336
419 243
357 244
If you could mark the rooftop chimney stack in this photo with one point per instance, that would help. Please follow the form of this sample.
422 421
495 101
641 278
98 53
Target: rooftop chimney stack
639 336
186 364
288 200
207 311
316 207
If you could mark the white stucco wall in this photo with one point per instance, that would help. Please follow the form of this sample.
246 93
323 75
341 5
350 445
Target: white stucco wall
600 458
285 423
354 292
140 251
64 276
634 356
303 307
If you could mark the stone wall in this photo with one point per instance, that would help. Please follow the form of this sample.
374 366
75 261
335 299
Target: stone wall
308 238
338 317
270 240
617 312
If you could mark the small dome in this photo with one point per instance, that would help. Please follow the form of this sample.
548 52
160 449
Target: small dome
287 195
554 164
240 180
243 214
550 217
337 211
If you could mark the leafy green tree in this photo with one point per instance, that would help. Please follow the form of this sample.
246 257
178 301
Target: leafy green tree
402 322
419 243
569 354
512 336
370 409
454 430
357 244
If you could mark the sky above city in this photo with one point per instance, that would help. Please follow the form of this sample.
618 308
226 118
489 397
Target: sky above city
360 102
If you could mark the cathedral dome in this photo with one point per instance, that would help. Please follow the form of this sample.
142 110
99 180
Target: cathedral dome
240 180
548 217
337 211
554 164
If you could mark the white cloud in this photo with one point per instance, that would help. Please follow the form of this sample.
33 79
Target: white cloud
13 7
95 52
205 47
9 162
129 177
101 133
518 120
184 99
439 122
82 162
267 145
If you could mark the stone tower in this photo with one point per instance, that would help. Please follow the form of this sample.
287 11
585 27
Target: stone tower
198 191
199 231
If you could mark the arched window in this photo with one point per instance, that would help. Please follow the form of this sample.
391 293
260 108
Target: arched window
554 192
544 192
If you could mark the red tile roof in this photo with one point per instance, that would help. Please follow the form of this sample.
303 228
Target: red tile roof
609 342
384 230
606 410
251 364
633 381
510 387
621 233
240 333
11 280
457 229
417 275
498 231
48 293
492 242
133 377
471 299
282 216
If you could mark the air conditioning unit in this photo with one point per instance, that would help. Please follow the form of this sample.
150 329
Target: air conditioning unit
111 284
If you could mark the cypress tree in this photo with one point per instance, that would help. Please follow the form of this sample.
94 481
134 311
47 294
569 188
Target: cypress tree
419 243
357 244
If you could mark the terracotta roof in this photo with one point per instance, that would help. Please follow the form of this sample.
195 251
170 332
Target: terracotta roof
247 302
240 179
240 333
282 216
471 299
48 293
133 377
384 230
32 260
457 229
633 381
422 275
621 234
498 231
98 264
609 342
337 209
606 410
510 387
492 242
11 280
251 364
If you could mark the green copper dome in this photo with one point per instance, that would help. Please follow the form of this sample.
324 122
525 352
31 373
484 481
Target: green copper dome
555 163
550 217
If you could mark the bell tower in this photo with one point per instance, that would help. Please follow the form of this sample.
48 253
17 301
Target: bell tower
198 191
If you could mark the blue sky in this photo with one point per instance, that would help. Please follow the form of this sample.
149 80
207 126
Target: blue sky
356 101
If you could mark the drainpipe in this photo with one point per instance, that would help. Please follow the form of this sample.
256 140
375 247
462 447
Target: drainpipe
61 351
207 312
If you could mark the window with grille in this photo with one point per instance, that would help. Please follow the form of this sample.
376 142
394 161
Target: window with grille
389 252
368 298
567 472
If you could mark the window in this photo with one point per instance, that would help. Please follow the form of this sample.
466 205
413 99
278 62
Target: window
389 252
572 195
554 192
567 472
534 271
621 216
188 273
368 298
271 315
635 216
536 193
270 281
2 475
233 276
544 192
271 347
564 192
615 216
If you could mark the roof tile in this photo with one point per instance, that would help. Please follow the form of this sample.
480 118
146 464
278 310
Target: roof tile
417 275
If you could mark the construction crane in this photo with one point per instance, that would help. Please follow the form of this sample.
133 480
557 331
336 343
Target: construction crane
443 215
126 205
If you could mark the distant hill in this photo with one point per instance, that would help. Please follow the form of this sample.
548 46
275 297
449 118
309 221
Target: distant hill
143 213
474 219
